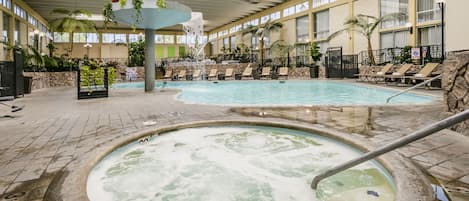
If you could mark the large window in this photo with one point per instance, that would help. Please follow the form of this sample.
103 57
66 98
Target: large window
61 37
17 32
264 19
85 38
6 27
32 20
428 10
288 11
181 39
226 42
19 11
234 42
394 39
164 39
430 35
275 16
114 38
212 36
391 7
302 7
317 3
302 29
6 3
321 24
255 42
136 37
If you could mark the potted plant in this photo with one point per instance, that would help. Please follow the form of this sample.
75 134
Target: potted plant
314 52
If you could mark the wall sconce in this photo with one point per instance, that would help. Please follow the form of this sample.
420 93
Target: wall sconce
410 27
36 32
87 46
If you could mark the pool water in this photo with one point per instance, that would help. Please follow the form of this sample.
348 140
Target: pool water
289 93
235 163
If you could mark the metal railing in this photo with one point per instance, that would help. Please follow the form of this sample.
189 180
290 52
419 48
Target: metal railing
413 87
429 130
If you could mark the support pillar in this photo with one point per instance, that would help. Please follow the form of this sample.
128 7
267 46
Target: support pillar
149 60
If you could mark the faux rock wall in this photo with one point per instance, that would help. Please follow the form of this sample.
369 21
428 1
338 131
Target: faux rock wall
456 86
52 79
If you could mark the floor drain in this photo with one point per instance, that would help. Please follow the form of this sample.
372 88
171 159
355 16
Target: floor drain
14 195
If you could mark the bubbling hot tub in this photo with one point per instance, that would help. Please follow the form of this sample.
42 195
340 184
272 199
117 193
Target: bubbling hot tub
235 163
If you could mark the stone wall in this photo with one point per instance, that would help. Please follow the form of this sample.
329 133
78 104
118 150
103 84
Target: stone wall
456 86
52 79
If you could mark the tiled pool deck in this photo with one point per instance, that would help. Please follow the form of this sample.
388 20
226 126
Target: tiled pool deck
55 129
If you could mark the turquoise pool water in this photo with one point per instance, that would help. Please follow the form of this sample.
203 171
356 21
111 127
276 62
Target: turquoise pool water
288 93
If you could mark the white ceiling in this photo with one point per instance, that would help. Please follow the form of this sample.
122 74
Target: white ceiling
216 12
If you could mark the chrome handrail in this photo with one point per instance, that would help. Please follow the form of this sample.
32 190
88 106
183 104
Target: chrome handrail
429 130
411 88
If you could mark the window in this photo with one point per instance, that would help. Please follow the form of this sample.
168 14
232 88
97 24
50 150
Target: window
394 39
302 7
180 39
275 16
264 19
428 10
114 38
302 29
321 24
255 22
223 33
164 39
85 38
6 27
317 3
255 42
226 42
430 36
6 3
213 36
288 11
32 20
394 6
19 11
61 37
136 37
234 42
17 32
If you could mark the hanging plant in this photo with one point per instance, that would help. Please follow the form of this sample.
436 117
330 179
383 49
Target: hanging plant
138 8
161 3
123 3
108 14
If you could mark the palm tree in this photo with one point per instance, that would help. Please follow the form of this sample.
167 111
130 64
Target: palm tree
261 32
70 23
365 25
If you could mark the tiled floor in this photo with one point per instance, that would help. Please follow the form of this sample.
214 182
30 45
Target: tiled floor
55 129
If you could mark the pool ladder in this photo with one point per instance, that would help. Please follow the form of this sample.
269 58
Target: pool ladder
422 133
411 88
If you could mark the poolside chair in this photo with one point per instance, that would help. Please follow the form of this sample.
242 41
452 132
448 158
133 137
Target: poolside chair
425 73
168 74
247 73
265 73
130 74
196 74
182 75
399 74
213 74
380 75
229 74
283 72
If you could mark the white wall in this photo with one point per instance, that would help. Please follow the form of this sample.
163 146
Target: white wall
367 7
337 16
457 26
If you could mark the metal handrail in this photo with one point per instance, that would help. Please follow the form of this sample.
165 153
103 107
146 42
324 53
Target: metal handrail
411 88
429 130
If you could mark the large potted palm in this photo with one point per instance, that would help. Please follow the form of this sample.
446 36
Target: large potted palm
365 25
69 22
261 32
315 53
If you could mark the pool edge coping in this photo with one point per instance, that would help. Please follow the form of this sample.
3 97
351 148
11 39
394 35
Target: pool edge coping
409 181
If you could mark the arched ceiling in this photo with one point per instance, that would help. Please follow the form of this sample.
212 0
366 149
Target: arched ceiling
216 12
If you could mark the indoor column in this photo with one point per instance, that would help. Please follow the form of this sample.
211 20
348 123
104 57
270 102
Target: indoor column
149 60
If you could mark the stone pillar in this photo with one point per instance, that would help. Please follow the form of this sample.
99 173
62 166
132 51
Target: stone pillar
456 87
149 60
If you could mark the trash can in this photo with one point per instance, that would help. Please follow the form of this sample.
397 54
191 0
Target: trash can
28 84
314 71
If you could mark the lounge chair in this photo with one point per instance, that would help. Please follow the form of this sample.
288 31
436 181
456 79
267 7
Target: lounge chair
131 74
265 73
168 74
247 73
213 74
229 74
381 74
196 74
425 73
182 75
283 72
399 74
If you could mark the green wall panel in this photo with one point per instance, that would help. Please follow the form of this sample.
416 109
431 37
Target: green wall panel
171 51
182 51
160 52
